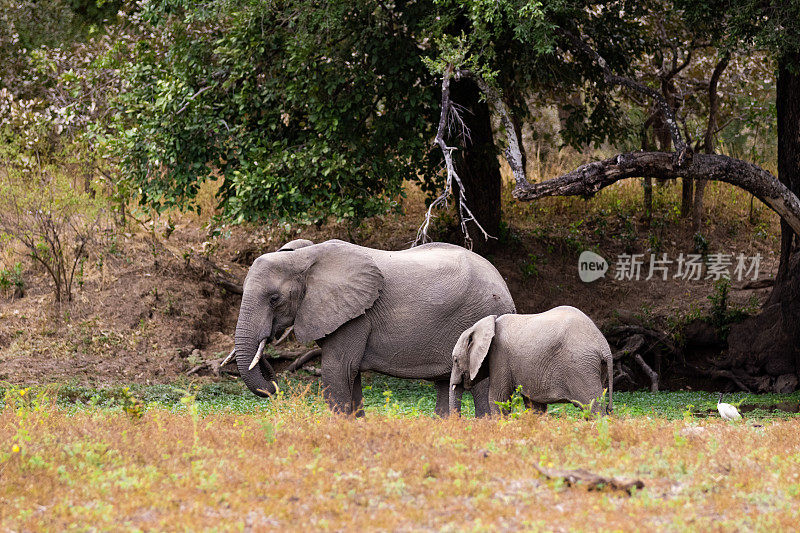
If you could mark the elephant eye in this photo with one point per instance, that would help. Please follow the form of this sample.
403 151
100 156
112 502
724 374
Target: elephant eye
273 299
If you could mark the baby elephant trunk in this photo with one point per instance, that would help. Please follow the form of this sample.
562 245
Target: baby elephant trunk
456 391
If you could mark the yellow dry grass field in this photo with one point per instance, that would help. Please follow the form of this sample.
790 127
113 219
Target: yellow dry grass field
294 467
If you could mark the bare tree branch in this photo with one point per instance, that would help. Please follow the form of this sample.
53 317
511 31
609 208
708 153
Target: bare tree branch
464 212
304 359
191 98
708 138
713 104
683 150
512 152
588 179
676 68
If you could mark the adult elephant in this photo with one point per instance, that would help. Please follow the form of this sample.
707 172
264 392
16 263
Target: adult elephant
397 313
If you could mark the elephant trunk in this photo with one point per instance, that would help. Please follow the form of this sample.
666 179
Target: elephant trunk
261 379
456 391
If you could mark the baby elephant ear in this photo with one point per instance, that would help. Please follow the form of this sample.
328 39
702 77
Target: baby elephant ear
479 340
342 282
294 245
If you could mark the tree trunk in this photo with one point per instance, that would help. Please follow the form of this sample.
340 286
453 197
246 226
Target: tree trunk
647 182
687 198
769 343
518 125
708 140
662 137
477 164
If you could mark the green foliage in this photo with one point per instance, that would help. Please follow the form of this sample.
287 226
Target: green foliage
721 314
507 237
514 406
27 25
530 268
408 398
719 302
57 75
772 24
701 244
41 209
131 405
305 110
12 278
312 110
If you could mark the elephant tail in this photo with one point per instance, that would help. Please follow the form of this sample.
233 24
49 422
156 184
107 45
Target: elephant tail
610 369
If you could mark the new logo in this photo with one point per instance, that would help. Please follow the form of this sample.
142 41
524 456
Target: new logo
591 266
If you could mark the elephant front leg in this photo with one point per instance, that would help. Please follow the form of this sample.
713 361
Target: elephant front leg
442 398
480 395
339 383
342 353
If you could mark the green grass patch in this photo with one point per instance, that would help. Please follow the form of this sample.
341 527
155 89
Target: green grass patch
393 397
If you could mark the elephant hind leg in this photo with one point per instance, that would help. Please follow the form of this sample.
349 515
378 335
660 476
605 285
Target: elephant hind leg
358 397
536 407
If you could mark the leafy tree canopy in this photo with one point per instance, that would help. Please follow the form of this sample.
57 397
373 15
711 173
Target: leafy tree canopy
305 109
772 24
310 109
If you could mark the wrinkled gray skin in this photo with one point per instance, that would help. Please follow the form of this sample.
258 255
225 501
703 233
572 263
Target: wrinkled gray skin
554 356
397 313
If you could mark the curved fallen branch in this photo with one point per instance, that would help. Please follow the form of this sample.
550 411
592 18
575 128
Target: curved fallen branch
304 359
588 179
591 480
633 329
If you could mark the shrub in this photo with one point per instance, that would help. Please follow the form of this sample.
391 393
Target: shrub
41 210
12 278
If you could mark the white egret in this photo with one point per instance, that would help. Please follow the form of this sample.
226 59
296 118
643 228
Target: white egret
726 410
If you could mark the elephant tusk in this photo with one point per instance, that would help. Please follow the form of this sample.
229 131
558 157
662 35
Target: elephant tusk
284 336
453 387
275 384
227 359
258 354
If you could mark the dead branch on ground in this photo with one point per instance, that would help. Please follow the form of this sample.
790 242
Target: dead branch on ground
304 359
591 480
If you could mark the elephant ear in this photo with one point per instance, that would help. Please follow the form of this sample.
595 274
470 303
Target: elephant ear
478 340
342 282
294 245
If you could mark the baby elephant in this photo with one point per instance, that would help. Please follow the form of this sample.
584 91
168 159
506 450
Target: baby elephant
554 356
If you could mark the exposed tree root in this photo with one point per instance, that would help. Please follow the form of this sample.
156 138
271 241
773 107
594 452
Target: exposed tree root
649 371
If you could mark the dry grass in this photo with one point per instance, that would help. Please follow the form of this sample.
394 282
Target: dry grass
293 467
